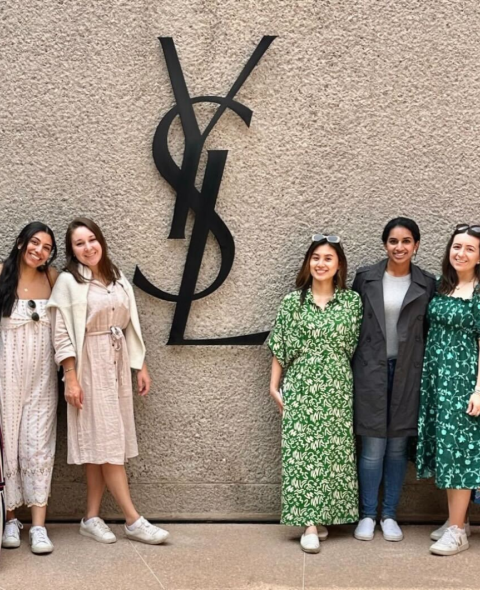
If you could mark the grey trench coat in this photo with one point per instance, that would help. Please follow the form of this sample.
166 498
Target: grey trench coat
369 363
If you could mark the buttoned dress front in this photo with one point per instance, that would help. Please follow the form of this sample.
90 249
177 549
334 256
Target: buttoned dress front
104 430
314 347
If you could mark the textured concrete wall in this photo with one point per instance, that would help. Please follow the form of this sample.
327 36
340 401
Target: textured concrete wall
363 110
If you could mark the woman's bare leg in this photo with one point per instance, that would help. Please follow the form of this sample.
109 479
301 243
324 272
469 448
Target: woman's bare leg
95 489
39 514
458 501
116 479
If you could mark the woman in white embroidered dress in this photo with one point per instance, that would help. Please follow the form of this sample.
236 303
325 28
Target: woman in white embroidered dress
28 382
97 340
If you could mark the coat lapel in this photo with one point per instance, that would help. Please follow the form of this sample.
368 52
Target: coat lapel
416 289
374 292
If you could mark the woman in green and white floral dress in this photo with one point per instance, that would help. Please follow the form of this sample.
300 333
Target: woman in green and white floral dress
449 423
315 335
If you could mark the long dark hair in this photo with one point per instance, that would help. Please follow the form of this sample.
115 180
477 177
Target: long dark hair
304 277
11 266
449 278
106 268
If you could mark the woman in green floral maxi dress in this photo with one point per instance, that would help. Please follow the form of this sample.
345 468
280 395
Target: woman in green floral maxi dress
313 340
449 426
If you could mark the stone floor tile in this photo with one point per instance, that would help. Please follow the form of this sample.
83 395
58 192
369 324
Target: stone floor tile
77 563
380 565
228 557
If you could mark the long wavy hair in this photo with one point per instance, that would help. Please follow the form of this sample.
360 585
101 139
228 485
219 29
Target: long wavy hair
304 277
10 274
449 278
106 268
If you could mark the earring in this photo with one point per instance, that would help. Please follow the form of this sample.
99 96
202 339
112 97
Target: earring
415 255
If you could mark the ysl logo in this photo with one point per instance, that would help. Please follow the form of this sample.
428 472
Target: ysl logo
202 202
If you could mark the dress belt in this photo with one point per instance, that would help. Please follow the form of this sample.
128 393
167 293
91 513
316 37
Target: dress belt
116 334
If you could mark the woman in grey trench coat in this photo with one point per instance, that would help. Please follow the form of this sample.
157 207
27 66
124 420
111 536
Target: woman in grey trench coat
387 369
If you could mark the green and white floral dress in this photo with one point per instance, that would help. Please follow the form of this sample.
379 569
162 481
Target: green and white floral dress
448 438
314 347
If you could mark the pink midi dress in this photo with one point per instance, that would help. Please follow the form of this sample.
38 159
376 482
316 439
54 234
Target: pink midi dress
28 404
104 430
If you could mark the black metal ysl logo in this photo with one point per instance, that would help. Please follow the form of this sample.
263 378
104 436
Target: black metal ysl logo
202 202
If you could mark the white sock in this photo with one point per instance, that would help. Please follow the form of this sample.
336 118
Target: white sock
134 525
86 521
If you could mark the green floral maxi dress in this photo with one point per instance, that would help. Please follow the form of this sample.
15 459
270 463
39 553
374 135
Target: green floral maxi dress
314 347
448 438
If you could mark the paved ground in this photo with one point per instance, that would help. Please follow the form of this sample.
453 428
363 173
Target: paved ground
238 557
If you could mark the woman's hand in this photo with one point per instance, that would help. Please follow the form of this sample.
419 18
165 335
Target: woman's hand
474 405
143 380
74 393
277 396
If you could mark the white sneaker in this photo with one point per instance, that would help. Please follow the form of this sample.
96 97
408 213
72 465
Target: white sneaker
322 532
39 541
147 532
437 534
11 534
310 543
453 541
365 530
95 528
391 530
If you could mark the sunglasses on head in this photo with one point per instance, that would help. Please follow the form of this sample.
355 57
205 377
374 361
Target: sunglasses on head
330 239
33 306
461 227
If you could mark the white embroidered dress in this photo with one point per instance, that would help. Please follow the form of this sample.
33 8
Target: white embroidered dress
28 404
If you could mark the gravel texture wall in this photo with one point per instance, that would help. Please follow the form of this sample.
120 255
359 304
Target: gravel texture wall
362 110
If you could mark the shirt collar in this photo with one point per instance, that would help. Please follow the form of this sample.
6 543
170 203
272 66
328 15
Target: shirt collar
334 299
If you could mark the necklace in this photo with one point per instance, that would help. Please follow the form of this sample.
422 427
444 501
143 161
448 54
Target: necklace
458 287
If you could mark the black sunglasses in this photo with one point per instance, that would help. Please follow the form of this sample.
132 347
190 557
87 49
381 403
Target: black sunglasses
33 306
462 227
330 239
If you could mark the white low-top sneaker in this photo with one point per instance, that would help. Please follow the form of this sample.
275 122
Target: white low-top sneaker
391 530
453 541
310 543
147 532
365 530
11 534
437 534
322 532
95 528
39 541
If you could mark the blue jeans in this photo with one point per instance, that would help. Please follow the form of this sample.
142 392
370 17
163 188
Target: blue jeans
387 458
382 458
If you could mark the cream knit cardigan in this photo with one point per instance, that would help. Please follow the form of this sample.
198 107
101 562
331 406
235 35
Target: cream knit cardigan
70 298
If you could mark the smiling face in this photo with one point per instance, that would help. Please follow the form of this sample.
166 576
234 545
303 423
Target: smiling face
464 253
400 245
324 263
38 250
86 247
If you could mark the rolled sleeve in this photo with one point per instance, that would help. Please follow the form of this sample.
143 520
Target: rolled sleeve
62 343
276 341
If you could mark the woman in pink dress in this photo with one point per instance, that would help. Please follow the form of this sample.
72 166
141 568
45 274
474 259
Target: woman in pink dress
97 341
